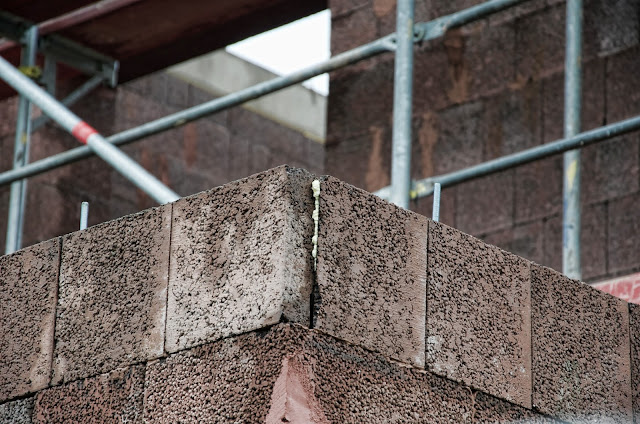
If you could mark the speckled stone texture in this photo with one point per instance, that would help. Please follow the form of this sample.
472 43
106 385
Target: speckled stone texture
371 274
28 284
288 373
478 315
357 386
112 295
634 330
17 412
241 258
230 380
115 397
581 369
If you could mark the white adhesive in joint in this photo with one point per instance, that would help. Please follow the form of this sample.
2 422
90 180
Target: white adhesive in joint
315 187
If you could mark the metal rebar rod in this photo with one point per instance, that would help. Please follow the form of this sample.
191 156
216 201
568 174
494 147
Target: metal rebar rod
402 105
71 99
84 215
18 193
365 51
87 135
571 175
424 187
436 202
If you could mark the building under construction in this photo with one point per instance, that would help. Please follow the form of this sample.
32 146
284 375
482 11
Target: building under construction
262 300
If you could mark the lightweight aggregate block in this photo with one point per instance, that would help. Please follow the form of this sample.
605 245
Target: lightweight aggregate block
371 275
112 296
241 258
289 373
17 412
115 397
489 409
354 385
478 315
580 345
28 284
230 380
634 329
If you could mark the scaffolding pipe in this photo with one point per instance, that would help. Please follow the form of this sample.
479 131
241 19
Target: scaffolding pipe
75 17
480 11
86 134
571 175
424 187
177 119
18 193
87 87
402 105
426 31
437 27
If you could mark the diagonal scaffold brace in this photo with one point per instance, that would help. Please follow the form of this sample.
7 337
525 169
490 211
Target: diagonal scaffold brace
85 134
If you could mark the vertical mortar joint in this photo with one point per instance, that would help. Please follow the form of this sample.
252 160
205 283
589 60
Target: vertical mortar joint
315 188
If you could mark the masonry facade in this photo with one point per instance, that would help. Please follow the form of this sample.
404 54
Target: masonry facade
493 88
209 310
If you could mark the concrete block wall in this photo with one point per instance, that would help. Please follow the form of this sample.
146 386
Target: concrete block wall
200 311
493 88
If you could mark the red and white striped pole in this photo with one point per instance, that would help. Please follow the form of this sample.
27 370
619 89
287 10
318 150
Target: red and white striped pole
84 133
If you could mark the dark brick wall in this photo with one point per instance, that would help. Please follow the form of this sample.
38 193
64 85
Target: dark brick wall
493 88
197 156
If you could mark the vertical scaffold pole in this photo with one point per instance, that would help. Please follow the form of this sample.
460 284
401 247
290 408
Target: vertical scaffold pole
18 194
572 105
402 105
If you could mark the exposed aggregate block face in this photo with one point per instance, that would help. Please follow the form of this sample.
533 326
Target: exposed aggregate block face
478 315
111 307
241 258
115 397
289 373
354 385
634 329
17 412
358 386
371 274
581 369
28 283
230 380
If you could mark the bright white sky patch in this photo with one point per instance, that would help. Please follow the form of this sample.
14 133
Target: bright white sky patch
291 47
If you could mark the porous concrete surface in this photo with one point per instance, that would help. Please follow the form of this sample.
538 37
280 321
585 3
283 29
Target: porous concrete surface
371 276
28 285
112 295
489 409
358 386
115 397
478 315
17 412
634 333
241 258
288 373
581 364
230 380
